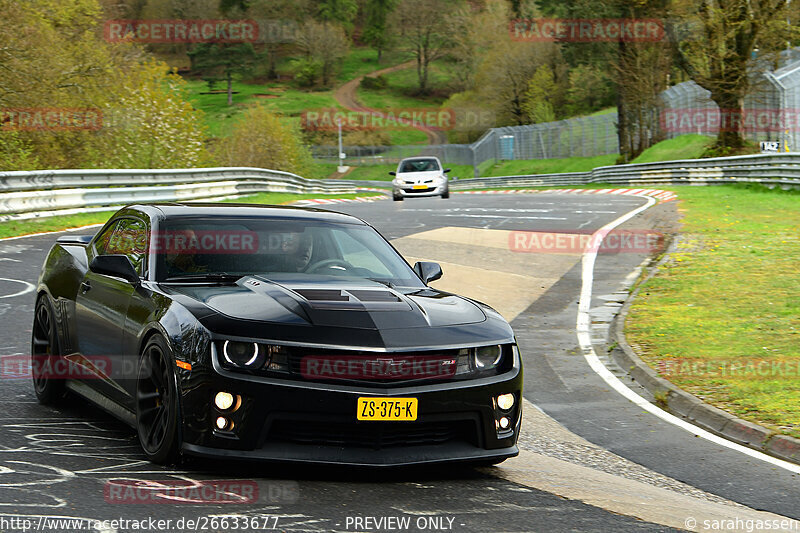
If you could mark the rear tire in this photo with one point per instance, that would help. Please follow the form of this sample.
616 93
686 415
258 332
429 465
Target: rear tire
158 415
45 351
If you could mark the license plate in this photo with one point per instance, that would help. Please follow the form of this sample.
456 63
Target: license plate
387 409
420 187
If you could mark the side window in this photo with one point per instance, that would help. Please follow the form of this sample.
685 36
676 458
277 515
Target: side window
130 238
101 243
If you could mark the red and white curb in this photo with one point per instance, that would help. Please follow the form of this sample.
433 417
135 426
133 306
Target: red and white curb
658 194
327 201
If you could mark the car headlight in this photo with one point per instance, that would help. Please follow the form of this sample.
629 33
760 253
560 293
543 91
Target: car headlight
244 354
253 356
479 360
487 357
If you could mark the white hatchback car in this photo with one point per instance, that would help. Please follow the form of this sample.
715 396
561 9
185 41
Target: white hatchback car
420 176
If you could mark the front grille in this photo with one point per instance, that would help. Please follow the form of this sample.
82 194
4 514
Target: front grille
373 368
375 435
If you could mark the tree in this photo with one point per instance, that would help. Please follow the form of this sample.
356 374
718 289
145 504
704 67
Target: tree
376 33
539 97
504 75
419 28
718 56
338 11
149 125
590 89
224 59
473 33
324 43
53 57
260 139
638 76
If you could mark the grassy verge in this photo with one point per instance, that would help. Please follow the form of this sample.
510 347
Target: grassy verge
682 147
549 166
722 319
16 228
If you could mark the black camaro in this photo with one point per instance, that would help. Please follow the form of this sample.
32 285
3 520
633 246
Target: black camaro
273 333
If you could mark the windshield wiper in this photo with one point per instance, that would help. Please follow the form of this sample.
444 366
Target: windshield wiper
382 282
218 277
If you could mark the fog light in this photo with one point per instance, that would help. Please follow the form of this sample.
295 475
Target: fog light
504 423
505 401
222 422
223 400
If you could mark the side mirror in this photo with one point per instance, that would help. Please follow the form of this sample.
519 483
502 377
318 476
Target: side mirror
428 271
446 170
393 173
118 266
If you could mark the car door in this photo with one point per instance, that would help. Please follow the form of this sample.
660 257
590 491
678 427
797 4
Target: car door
102 307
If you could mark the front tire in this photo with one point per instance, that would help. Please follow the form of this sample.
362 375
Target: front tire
45 351
158 416
446 194
397 197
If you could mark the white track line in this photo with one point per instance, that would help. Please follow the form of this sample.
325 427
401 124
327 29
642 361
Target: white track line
585 342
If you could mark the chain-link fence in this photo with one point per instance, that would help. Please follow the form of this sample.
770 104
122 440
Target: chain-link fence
770 111
575 137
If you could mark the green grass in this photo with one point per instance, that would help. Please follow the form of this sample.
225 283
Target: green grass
321 171
402 84
363 60
606 111
288 101
722 319
549 166
683 147
14 228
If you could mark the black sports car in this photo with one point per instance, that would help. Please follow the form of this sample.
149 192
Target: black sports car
275 333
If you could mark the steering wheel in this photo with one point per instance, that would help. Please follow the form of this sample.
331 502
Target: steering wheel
328 263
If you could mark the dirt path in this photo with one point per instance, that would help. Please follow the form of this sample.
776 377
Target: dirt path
347 96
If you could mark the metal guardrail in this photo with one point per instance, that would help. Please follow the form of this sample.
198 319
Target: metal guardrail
772 170
51 192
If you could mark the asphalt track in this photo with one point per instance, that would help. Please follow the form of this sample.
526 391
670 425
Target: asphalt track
57 462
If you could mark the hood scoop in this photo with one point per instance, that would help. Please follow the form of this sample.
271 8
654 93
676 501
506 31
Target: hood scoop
364 299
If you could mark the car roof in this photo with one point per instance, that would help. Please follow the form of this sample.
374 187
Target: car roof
420 157
207 209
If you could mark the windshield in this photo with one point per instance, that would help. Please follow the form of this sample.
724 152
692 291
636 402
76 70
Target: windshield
419 165
276 248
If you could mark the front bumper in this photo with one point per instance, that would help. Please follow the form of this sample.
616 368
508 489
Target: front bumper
407 191
310 422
